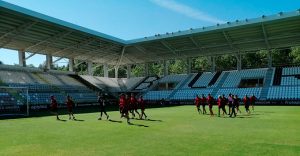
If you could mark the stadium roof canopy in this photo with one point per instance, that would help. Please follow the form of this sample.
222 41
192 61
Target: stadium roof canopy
23 29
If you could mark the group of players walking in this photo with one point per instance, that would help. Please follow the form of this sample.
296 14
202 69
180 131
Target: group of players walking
232 101
131 105
126 105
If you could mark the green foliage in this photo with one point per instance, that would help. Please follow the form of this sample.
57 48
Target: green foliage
201 64
177 66
226 62
156 69
138 70
98 70
255 60
282 57
295 54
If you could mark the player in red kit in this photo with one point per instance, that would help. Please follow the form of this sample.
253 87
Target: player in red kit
252 101
133 105
70 105
246 101
126 109
54 107
197 103
210 101
141 103
203 103
122 102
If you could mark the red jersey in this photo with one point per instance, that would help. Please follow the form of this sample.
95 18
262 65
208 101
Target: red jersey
246 101
122 101
252 99
203 100
70 103
219 102
132 100
53 103
210 100
141 103
197 101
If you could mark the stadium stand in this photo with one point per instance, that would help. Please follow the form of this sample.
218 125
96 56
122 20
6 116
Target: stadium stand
204 80
229 82
41 85
157 95
234 77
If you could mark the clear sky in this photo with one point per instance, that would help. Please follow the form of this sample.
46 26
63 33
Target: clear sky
130 19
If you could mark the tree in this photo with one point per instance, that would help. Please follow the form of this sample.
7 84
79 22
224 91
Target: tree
138 70
177 66
295 55
255 60
282 57
1 62
200 64
226 62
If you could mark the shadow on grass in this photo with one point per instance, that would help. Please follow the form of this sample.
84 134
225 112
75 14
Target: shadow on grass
139 125
63 120
115 121
153 120
244 117
78 120
146 119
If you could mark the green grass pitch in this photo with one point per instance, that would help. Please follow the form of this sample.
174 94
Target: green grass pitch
172 131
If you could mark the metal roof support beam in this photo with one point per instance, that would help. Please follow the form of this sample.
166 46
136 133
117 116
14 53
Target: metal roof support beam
166 67
116 72
238 61
97 50
121 58
50 39
128 71
265 36
119 62
270 59
212 60
189 65
20 29
32 54
228 40
143 50
164 43
195 43
77 46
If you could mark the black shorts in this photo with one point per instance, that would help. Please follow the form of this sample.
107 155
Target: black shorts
54 109
123 110
70 109
102 109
